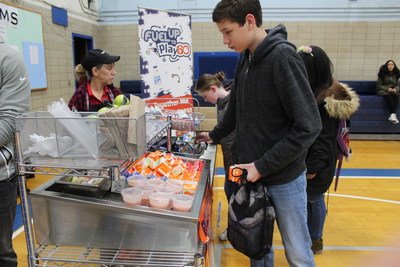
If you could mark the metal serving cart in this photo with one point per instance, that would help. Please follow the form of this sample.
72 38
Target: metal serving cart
97 228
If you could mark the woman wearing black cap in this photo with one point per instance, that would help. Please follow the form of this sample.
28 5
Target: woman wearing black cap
98 91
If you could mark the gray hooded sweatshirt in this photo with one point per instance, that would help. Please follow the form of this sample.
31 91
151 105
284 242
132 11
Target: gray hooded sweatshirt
272 109
14 100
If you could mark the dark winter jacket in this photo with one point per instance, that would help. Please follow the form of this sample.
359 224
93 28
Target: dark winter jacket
272 109
389 80
334 103
226 142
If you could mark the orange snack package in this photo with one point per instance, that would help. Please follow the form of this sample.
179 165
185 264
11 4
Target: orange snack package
164 168
178 169
146 172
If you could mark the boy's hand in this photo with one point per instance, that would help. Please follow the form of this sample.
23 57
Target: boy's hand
252 173
203 137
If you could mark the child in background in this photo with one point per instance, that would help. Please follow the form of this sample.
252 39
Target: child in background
388 87
335 101
210 87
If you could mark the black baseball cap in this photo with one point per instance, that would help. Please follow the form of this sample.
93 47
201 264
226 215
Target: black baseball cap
96 57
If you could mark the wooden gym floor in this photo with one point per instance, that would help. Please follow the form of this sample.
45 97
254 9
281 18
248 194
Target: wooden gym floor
363 223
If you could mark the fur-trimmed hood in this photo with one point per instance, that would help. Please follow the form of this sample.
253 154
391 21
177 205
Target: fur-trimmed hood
340 100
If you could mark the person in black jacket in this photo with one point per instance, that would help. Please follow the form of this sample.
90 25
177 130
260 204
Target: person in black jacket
335 101
276 119
210 87
388 87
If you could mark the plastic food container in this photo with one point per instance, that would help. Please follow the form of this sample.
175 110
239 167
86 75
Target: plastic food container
147 190
132 195
182 202
178 188
136 179
167 189
160 200
155 182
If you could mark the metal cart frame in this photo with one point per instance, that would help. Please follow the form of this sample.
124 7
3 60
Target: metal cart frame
55 255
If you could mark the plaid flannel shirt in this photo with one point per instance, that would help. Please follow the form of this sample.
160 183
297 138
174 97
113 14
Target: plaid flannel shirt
80 98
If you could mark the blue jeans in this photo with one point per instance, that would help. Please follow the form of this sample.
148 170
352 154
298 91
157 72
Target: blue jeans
290 202
8 202
316 215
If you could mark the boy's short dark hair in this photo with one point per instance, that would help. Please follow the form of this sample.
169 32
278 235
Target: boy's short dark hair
236 11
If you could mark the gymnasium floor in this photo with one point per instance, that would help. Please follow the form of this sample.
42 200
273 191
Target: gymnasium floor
363 222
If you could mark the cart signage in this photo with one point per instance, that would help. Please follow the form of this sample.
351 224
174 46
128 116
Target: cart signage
184 103
165 48
205 215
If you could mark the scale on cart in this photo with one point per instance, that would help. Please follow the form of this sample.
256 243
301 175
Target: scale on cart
90 224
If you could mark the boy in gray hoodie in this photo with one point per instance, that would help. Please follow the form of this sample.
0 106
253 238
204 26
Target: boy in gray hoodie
276 119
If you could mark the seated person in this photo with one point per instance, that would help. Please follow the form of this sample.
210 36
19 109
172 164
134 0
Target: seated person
98 91
388 87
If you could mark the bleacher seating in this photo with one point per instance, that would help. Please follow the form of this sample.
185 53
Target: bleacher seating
133 87
372 115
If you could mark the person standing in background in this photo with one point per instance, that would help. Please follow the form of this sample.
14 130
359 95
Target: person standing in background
98 91
14 100
388 87
335 101
276 119
210 87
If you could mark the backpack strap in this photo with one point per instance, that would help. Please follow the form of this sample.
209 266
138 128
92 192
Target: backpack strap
338 169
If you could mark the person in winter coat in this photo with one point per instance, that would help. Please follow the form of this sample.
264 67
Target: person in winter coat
210 87
388 87
335 101
98 91
274 114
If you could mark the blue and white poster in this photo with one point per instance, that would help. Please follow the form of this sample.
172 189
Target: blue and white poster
22 29
166 57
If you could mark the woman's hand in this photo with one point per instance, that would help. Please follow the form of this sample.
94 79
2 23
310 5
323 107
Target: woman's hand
392 90
252 173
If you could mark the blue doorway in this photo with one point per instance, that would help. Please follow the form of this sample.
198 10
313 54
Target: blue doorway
81 44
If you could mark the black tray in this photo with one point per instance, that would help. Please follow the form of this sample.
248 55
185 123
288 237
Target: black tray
64 185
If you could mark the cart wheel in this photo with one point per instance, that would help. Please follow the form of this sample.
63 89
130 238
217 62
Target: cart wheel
198 260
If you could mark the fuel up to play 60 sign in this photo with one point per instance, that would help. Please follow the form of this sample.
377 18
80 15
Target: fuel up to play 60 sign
166 58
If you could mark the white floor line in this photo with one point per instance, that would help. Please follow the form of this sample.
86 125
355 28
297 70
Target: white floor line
369 177
221 246
218 247
348 196
345 177
18 231
365 198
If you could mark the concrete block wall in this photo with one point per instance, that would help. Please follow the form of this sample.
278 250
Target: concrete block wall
357 49
58 52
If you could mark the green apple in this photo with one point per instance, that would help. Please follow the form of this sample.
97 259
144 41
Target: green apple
121 100
103 109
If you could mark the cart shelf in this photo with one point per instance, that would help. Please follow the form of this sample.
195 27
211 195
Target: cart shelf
89 256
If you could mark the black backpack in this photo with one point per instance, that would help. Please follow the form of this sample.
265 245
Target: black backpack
251 217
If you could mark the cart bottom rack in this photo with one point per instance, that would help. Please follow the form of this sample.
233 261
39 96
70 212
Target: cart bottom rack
51 255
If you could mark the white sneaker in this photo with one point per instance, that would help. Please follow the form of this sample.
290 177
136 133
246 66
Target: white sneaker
224 235
393 118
